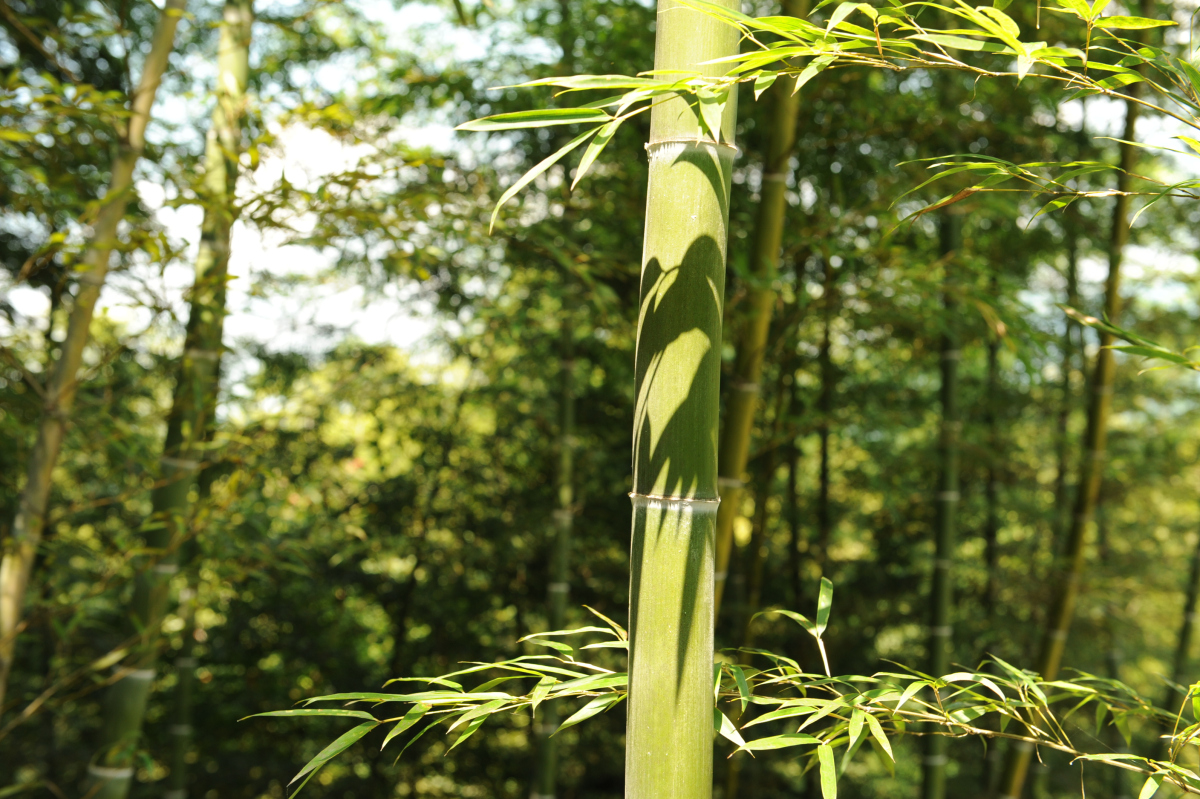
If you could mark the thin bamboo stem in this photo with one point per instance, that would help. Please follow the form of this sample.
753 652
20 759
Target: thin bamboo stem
556 591
1071 564
751 331
20 549
668 749
193 404
934 784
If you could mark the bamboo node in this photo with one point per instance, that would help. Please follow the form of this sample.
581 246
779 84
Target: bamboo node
952 355
730 482
182 464
166 568
745 387
563 515
180 729
943 563
93 277
558 588
109 773
1058 635
675 147
141 674
935 760
947 496
941 631
775 177
709 505
1024 746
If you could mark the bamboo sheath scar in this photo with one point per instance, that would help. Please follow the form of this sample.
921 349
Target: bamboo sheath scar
28 527
669 734
1070 567
750 332
192 409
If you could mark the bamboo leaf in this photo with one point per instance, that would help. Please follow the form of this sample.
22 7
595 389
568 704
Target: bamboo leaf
597 705
828 771
725 727
541 691
1131 23
341 744
1150 787
358 714
540 118
879 736
410 718
763 82
824 604
618 629
534 173
743 687
594 148
779 742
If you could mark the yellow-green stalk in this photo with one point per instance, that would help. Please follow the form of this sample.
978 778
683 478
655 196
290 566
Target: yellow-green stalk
20 549
192 409
668 742
750 333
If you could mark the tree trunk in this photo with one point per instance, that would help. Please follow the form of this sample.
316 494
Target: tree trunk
824 411
668 749
1070 566
192 407
1061 504
750 335
1183 643
30 519
557 590
991 522
934 785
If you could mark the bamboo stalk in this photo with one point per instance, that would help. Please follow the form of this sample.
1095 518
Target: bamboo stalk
824 411
29 522
1061 503
991 523
193 406
1071 563
556 591
668 749
751 333
1183 644
941 599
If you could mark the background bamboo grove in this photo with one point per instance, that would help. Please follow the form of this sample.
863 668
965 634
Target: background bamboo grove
309 383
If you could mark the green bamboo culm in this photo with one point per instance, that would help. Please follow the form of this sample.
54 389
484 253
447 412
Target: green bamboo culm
1069 569
21 547
560 562
192 409
1183 648
668 742
941 599
751 331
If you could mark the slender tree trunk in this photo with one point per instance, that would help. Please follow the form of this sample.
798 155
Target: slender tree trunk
825 410
991 522
556 599
1071 563
757 552
192 408
750 334
668 742
1061 494
28 526
180 728
1183 644
934 786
